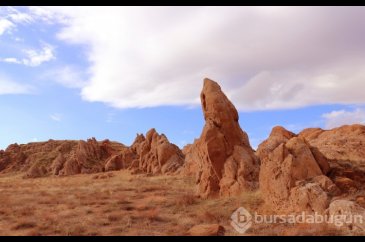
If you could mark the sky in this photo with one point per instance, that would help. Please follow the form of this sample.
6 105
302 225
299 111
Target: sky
113 72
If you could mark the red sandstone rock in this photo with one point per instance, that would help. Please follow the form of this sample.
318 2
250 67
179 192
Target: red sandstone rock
283 169
71 167
308 197
123 160
153 155
222 157
58 163
88 157
156 154
344 147
346 143
58 157
36 171
346 184
277 136
350 216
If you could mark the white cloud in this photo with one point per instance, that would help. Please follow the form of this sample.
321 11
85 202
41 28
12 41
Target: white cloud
37 57
17 39
11 60
10 17
7 86
33 57
46 15
331 84
341 117
21 18
67 76
264 57
56 117
5 25
18 16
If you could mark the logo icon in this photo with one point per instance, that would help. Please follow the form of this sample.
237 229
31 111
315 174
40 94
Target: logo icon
241 220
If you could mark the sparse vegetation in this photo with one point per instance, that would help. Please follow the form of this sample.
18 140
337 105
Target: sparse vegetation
123 204
24 225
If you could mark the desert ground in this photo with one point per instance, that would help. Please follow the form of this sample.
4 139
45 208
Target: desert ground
119 203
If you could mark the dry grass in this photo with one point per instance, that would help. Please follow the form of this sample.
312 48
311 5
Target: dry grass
186 200
115 216
305 229
118 203
24 225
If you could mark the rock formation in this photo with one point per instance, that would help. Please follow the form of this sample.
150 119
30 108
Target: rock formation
58 157
12 158
277 136
156 154
57 164
36 171
292 173
123 160
344 143
310 195
280 135
153 154
344 147
311 170
350 215
222 157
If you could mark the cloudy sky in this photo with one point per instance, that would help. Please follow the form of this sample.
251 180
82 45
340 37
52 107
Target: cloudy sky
112 72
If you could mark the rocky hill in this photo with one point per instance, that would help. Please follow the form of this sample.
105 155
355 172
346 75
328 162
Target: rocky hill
153 154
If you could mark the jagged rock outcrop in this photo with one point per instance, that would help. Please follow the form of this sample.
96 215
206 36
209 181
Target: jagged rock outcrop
289 167
156 154
345 143
21 158
308 171
280 135
344 147
222 157
311 195
191 167
123 160
88 157
153 154
137 143
64 157
277 136
12 158
58 164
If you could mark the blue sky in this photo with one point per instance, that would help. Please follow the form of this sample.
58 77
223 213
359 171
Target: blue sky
75 73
